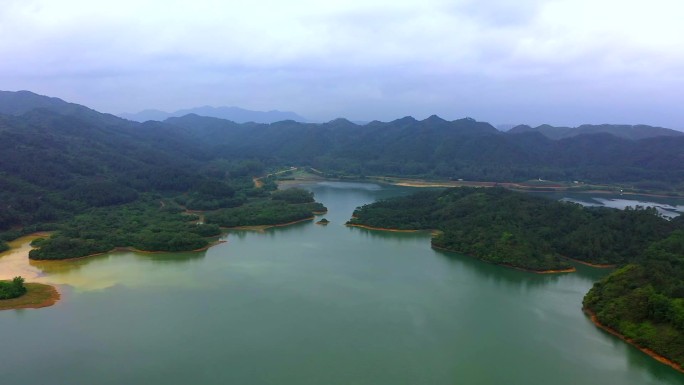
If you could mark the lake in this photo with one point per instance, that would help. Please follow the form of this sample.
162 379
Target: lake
668 207
311 304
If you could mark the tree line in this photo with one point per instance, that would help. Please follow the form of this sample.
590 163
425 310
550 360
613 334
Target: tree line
12 289
643 299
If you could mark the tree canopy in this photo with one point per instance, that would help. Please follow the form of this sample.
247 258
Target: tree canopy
643 300
12 289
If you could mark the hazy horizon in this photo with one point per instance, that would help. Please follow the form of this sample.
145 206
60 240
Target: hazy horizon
559 62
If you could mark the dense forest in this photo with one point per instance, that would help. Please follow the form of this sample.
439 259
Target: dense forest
99 180
285 206
438 149
102 182
521 230
643 300
61 158
142 225
152 224
264 213
12 289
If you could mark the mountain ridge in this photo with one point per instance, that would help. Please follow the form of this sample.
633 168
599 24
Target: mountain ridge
432 148
235 114
633 132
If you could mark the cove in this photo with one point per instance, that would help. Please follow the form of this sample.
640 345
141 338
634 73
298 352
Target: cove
308 304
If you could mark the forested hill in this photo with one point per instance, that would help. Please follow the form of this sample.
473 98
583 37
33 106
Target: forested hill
435 148
521 230
636 132
643 300
59 159
103 182
21 102
430 148
54 151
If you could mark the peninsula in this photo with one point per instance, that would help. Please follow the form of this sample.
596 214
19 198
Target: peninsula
16 294
642 302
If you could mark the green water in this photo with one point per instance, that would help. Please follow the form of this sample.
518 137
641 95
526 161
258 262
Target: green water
311 304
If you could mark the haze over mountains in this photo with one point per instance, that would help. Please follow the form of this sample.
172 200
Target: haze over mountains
235 114
53 149
636 132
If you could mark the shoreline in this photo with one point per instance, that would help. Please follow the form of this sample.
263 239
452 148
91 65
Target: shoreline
595 265
571 269
658 357
264 227
51 297
132 250
211 244
382 228
552 271
518 186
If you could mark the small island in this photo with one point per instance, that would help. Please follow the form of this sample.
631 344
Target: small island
323 222
16 294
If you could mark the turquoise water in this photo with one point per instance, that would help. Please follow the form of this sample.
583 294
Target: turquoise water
310 304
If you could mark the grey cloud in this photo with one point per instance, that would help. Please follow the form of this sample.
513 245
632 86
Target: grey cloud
500 61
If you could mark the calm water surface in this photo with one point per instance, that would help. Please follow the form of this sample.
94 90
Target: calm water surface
668 207
311 304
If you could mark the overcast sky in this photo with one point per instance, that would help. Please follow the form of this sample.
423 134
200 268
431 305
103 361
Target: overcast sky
563 62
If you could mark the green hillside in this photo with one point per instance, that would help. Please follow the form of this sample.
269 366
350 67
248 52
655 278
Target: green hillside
643 300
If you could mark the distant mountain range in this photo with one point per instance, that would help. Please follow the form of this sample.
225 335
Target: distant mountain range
52 149
620 130
437 148
235 114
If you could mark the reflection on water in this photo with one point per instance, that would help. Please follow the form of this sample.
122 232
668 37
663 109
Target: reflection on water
351 186
391 236
91 273
309 304
483 269
499 275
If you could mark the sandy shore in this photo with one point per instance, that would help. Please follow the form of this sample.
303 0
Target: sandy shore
14 263
37 296
649 352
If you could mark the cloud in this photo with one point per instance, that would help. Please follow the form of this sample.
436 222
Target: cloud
557 60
